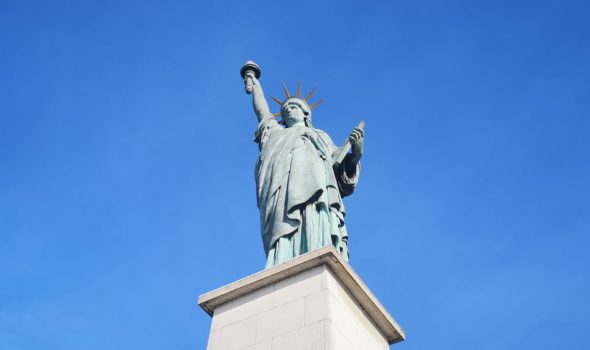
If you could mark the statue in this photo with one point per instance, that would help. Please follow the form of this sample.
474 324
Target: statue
301 176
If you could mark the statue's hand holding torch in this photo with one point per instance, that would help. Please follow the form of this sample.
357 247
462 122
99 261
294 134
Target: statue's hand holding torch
249 82
250 72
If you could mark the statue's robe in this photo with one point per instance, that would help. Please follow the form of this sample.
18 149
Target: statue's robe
299 192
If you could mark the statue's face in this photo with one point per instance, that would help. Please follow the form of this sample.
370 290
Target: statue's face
294 115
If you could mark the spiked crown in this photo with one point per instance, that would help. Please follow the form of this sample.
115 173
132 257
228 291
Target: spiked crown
296 99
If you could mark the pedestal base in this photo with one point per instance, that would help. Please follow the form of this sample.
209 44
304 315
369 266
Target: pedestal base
315 301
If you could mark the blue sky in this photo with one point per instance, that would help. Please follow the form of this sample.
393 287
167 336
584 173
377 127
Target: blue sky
127 162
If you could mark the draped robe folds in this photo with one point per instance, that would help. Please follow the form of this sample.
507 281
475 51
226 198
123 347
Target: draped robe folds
299 192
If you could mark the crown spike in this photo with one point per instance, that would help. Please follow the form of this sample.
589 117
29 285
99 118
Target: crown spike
277 100
309 95
316 104
286 91
299 89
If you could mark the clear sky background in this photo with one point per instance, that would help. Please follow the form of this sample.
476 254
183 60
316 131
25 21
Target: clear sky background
127 164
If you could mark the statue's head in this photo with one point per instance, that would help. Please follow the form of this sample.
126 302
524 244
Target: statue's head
295 109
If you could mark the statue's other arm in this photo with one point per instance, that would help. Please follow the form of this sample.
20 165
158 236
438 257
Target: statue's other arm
260 105
357 141
347 174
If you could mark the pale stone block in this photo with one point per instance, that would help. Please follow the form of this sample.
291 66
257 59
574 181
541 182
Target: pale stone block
281 319
251 304
335 340
351 339
373 335
266 345
235 336
346 323
220 313
350 318
310 337
336 289
298 286
285 306
317 306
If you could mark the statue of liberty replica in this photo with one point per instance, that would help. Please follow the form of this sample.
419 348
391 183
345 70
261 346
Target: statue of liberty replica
301 175
301 178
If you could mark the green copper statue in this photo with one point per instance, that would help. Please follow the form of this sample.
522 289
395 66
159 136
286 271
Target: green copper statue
301 176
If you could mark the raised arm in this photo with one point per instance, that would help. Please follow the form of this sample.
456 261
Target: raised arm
260 105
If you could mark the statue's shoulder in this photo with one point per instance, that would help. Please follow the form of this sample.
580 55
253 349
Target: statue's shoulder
265 127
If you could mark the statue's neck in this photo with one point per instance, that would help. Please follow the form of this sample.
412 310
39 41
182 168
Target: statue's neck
299 123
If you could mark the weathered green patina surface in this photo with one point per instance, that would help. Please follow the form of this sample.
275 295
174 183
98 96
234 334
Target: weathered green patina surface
300 182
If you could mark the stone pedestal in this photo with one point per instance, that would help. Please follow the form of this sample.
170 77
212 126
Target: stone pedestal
313 302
